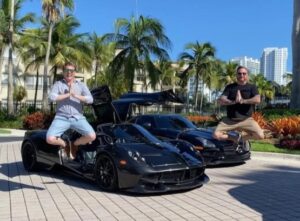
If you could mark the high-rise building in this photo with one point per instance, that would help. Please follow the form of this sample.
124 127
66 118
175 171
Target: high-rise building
252 64
273 64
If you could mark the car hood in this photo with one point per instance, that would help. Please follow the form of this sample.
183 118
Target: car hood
160 155
203 133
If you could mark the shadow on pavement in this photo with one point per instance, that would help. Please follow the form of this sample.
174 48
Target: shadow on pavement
273 192
4 139
57 175
11 170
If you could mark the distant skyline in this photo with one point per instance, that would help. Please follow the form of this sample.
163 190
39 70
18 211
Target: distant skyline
234 27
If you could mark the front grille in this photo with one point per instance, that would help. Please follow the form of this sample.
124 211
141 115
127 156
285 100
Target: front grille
174 177
229 149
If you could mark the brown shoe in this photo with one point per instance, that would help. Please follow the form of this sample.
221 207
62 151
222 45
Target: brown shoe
67 148
73 151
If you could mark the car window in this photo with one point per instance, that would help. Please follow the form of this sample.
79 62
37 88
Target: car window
170 122
128 133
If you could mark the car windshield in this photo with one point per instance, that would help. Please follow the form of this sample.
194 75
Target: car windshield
175 122
130 133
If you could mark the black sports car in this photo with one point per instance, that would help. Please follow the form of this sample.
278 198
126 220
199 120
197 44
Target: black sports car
124 155
172 126
178 127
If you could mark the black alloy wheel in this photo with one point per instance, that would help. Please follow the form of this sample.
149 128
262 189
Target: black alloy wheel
29 157
105 173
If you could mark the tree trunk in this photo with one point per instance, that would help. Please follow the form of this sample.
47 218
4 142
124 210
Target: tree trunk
96 71
45 106
196 90
295 101
202 95
36 89
10 89
54 79
1 64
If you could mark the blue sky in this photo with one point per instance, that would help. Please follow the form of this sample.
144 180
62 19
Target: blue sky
234 27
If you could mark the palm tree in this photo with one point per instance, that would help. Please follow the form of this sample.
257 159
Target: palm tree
137 42
167 76
295 101
101 54
11 29
265 88
230 72
33 43
3 28
199 62
52 10
68 45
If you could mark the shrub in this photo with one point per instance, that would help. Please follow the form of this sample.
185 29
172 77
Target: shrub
290 143
37 120
260 119
203 120
286 126
273 114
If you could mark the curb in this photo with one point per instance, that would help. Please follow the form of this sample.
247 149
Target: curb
13 133
273 156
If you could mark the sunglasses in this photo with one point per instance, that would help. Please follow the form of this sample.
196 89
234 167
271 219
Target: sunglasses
242 73
69 70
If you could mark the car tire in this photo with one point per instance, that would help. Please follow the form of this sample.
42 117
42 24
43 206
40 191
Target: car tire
29 157
105 173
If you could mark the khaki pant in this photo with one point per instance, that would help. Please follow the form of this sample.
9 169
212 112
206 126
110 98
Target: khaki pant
248 127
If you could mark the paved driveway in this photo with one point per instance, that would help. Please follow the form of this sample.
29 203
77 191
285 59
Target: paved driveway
261 189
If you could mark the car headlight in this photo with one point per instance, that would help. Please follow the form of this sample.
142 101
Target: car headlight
136 156
206 143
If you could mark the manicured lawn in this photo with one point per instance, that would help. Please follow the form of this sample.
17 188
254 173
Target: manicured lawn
262 146
4 131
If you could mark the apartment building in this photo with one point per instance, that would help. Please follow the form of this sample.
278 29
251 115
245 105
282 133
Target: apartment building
274 64
252 64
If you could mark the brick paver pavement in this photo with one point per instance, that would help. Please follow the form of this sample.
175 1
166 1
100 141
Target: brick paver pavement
258 190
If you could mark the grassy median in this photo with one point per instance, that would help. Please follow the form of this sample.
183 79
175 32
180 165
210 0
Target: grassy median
4 131
265 146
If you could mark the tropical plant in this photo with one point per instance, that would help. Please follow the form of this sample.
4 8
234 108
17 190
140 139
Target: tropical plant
68 45
200 63
11 29
19 94
295 101
265 88
33 43
138 41
167 76
286 126
101 54
230 72
52 10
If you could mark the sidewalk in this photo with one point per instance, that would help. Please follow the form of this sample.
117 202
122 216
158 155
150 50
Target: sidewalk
255 191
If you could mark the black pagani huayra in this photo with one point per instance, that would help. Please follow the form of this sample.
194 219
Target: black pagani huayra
124 156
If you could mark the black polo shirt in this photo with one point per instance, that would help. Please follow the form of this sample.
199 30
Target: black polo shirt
240 111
